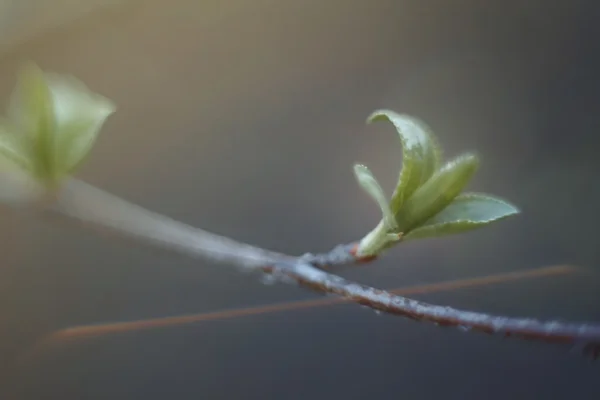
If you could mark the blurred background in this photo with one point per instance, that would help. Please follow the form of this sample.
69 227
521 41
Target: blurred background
245 118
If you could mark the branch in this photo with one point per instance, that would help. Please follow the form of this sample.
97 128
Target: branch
98 209
69 334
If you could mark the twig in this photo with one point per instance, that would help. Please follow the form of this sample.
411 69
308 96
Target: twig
68 335
88 204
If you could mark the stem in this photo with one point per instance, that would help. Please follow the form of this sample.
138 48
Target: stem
377 240
89 204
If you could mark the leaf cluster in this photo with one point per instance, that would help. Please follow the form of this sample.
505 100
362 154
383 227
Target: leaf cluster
51 124
428 200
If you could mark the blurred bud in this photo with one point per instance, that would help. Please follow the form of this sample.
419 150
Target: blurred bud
59 119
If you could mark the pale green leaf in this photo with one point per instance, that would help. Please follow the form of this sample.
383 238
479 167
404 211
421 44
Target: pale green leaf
466 212
370 185
31 113
437 193
420 154
80 114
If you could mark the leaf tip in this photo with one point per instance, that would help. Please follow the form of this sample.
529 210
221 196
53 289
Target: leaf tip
379 115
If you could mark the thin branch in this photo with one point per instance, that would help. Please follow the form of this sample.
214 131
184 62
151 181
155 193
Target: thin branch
99 209
120 327
88 204
68 335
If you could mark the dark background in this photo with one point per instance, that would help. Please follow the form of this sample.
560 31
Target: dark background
244 118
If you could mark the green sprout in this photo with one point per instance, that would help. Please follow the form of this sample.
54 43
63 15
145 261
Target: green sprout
52 123
427 201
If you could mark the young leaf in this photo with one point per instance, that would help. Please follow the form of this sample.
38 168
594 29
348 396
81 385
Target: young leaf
420 154
370 185
54 121
31 112
466 212
437 193
80 114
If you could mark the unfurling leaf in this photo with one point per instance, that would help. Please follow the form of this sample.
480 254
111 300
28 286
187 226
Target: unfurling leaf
370 185
437 193
79 113
466 212
420 154
53 121
31 113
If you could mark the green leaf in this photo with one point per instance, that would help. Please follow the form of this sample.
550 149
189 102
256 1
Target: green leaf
31 112
59 119
437 193
420 154
80 114
466 212
370 185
